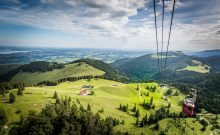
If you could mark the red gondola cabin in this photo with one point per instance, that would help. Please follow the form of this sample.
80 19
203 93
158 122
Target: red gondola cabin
188 107
189 104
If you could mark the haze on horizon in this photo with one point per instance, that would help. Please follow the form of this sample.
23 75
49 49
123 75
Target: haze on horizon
119 24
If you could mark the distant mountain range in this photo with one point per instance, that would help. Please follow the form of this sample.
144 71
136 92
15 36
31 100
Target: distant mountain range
22 55
146 67
207 53
211 57
213 60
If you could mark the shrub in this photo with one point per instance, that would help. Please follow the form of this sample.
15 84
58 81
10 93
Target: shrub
18 111
92 93
204 122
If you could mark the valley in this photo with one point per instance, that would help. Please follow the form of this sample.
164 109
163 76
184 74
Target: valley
130 91
109 67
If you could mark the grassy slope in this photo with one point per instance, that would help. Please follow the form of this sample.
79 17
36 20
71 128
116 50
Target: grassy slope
189 126
199 69
106 96
70 70
155 56
146 67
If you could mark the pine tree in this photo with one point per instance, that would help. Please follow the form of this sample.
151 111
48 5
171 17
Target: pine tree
176 93
137 122
120 107
123 122
92 92
69 100
169 105
126 108
216 117
144 103
147 94
81 108
135 108
57 100
137 113
55 95
12 98
157 126
138 87
8 86
151 100
20 91
22 88
144 121
88 107
2 90
153 107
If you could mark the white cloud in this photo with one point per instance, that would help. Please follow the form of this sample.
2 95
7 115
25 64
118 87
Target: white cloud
107 20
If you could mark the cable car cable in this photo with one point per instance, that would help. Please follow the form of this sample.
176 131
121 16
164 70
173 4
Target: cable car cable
161 53
155 22
171 23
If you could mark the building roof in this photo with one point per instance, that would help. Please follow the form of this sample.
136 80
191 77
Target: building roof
189 102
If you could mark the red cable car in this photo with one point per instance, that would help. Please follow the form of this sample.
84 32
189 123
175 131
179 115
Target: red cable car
189 105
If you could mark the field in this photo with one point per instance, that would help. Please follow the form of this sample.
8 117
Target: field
70 70
199 69
108 95
154 56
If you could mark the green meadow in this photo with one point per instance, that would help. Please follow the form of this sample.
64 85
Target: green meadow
108 95
70 70
199 69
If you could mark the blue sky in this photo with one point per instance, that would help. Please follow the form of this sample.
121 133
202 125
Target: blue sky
119 24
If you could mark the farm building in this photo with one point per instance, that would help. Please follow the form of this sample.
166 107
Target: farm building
84 92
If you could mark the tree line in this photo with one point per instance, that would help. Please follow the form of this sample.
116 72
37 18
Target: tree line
110 73
160 114
41 66
12 85
71 79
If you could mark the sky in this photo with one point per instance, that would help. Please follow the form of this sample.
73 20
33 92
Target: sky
117 24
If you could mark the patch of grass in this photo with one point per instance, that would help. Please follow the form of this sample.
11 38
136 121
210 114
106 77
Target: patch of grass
154 56
199 63
186 126
199 69
70 70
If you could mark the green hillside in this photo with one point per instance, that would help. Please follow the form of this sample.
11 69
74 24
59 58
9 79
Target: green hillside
110 72
146 67
4 69
214 61
40 71
108 95
70 70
